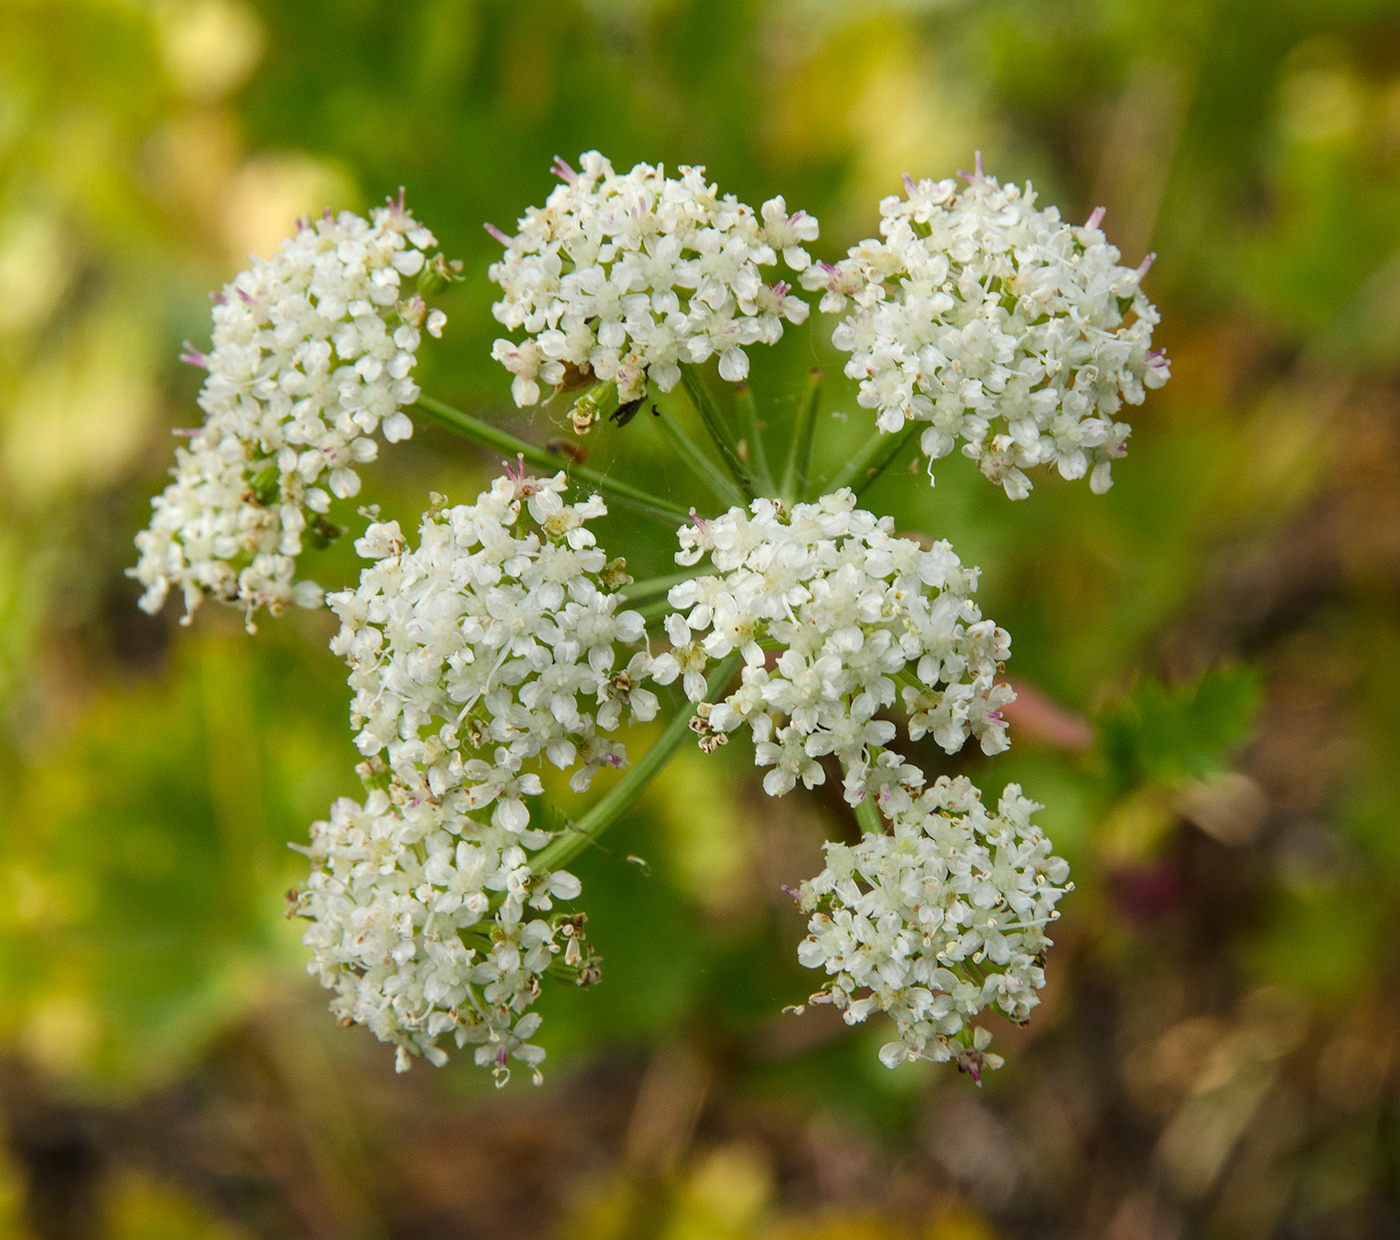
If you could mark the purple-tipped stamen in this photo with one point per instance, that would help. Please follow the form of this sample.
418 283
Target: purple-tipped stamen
193 357
218 299
976 173
245 297
701 523
781 289
562 170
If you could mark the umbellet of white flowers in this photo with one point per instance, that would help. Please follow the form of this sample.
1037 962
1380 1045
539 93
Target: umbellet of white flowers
494 646
997 324
621 277
836 618
313 352
937 920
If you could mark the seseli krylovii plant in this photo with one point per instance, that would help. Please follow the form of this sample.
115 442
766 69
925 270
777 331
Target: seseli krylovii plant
502 641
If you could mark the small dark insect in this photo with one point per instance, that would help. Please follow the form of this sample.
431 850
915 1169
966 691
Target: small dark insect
322 533
624 413
560 446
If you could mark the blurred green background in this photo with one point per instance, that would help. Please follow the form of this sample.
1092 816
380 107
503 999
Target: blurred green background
1209 656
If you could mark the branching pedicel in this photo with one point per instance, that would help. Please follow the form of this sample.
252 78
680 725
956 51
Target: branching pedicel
502 644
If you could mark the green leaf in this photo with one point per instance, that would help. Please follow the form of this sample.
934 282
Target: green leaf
1163 733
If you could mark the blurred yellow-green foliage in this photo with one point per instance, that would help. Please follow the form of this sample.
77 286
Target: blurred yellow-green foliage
1217 1054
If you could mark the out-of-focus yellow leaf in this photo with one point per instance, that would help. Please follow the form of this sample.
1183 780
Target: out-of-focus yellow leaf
142 1209
81 415
269 193
210 46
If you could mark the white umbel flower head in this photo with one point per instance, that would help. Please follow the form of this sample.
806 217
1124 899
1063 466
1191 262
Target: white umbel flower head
997 324
619 278
936 922
836 618
493 647
313 353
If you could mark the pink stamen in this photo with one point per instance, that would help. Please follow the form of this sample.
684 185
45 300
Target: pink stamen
327 216
497 233
614 761
788 891
1146 265
781 289
562 170
245 298
185 432
402 208
1095 217
701 523
909 186
516 473
192 357
218 299
976 174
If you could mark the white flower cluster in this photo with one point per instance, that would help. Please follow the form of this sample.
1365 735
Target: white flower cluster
997 324
496 645
620 278
832 612
937 921
313 350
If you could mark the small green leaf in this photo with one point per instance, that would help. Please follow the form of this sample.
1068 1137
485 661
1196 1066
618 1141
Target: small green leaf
1164 733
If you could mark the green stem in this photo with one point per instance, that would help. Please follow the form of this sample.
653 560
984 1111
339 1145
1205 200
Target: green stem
654 610
700 465
875 456
654 585
799 458
753 439
569 843
502 441
868 815
694 383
